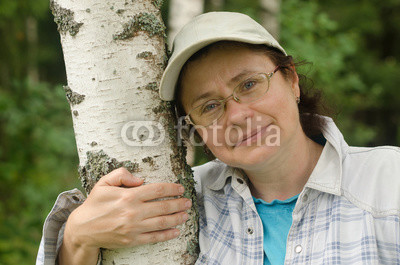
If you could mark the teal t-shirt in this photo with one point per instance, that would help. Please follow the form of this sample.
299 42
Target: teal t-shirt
276 218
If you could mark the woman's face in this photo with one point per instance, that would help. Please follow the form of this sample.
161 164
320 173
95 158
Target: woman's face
248 134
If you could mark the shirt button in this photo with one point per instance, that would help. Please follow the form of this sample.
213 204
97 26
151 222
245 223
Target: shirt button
250 231
298 249
240 181
305 198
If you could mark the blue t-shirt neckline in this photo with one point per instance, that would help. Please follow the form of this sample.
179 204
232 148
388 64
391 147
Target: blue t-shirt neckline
276 201
276 217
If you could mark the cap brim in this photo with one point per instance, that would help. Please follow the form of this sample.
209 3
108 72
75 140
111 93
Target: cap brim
171 73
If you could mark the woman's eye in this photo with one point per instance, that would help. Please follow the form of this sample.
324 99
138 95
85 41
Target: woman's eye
249 85
209 107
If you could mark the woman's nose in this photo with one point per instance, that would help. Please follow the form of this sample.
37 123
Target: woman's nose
237 113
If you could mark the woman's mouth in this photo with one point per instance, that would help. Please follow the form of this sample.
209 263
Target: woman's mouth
254 137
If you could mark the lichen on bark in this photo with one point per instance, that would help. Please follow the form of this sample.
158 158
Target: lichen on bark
73 97
145 55
158 109
120 11
149 160
99 164
153 86
184 174
157 3
64 19
145 22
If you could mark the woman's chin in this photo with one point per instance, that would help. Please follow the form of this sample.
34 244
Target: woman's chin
248 156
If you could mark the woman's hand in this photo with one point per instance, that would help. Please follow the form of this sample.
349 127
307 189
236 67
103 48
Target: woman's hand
119 212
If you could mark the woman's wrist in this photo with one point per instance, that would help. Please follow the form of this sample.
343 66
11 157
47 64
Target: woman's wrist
74 250
70 254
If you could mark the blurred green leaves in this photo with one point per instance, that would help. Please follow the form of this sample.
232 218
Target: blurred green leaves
37 161
309 34
37 148
359 75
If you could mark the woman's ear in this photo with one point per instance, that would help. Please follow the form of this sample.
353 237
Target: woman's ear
295 81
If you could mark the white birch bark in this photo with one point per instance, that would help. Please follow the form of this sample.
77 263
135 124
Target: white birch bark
180 13
112 81
270 16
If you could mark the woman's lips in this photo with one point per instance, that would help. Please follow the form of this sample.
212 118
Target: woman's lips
254 137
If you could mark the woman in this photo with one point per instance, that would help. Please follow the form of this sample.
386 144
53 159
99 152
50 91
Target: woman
286 187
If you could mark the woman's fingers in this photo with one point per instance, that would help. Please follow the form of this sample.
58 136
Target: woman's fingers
160 223
166 207
151 230
154 191
159 236
120 177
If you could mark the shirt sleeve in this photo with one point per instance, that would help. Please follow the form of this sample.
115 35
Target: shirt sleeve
53 228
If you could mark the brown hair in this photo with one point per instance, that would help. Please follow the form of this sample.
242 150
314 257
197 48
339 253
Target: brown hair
311 105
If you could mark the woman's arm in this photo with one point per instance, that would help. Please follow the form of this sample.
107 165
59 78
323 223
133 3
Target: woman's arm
120 212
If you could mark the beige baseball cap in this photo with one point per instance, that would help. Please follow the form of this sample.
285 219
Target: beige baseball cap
204 30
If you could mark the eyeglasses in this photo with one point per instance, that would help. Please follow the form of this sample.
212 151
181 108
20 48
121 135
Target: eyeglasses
249 90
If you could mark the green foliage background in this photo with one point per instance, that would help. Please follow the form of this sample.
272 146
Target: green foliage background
352 45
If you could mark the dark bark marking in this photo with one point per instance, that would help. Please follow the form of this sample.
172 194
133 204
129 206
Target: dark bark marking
99 164
145 22
73 97
64 19
157 3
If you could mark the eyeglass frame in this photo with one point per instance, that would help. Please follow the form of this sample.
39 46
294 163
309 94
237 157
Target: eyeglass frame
223 101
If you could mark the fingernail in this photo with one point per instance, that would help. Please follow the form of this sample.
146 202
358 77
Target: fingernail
176 233
181 189
188 204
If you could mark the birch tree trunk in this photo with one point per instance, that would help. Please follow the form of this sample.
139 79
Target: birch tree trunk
270 10
114 54
180 13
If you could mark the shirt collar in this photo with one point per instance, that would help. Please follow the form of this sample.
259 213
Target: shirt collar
220 181
327 174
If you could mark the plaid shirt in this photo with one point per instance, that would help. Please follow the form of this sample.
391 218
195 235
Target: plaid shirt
347 213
